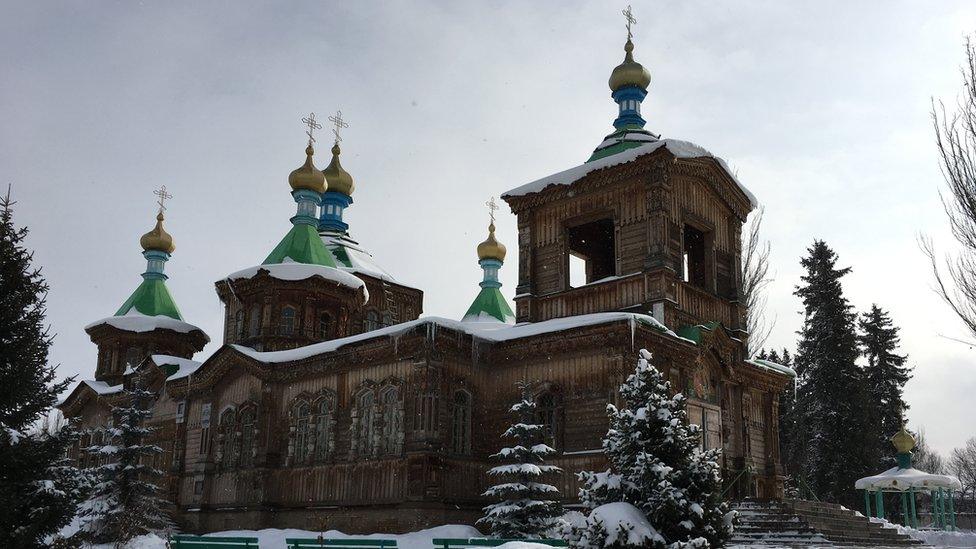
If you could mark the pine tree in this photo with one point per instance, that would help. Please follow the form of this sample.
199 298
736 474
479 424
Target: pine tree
525 506
886 375
830 414
657 466
124 502
39 489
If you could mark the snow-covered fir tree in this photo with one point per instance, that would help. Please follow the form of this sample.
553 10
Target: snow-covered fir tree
831 418
886 375
39 489
657 466
125 502
526 506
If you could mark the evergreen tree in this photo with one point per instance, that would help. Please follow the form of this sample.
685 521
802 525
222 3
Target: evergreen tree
830 418
657 466
125 502
526 507
886 375
39 489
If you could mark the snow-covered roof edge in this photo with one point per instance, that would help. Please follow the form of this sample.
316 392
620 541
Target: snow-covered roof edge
677 147
302 271
772 366
489 331
184 366
137 322
897 479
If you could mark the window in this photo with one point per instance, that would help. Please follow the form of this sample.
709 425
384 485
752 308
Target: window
204 447
364 424
392 422
255 326
325 323
301 438
545 415
426 419
239 325
228 432
372 320
180 411
323 429
694 258
133 355
247 421
287 320
594 244
461 423
197 487
387 319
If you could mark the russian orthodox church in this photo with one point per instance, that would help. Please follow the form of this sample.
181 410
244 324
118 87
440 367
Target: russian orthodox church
332 404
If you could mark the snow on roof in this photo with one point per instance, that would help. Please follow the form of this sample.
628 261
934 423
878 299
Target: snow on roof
134 321
184 366
900 480
772 366
303 271
680 149
352 257
102 388
490 331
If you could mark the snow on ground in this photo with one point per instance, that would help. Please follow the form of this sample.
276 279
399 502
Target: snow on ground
937 538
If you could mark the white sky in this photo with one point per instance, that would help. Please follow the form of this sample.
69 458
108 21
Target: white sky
822 108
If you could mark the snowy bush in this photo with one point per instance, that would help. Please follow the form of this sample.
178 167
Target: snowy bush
656 469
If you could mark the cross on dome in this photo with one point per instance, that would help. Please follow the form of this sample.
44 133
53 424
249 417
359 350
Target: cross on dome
629 16
339 123
312 126
163 195
492 207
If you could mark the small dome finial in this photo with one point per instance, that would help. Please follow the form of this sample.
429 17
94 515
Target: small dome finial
157 239
491 248
339 179
307 176
903 441
630 72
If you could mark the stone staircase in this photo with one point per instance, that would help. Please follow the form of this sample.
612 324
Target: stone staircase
801 523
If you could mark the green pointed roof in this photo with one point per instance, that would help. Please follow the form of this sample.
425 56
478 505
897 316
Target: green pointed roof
492 303
151 298
302 244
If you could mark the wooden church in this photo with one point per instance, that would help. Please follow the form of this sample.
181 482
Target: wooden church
332 403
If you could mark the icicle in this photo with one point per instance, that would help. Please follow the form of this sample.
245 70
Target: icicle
633 330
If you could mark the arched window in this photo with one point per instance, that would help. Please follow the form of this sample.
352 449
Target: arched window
372 320
325 324
228 434
426 408
133 355
546 415
254 329
247 421
461 423
387 319
239 325
301 440
364 424
392 422
287 321
323 429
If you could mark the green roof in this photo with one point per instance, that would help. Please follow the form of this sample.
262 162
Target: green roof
491 302
302 244
151 298
694 333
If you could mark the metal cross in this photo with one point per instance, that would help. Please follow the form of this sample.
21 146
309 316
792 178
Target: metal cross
339 123
492 206
629 16
163 195
312 126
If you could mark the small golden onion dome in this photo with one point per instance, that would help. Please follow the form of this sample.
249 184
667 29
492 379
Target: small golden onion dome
339 179
630 72
308 176
903 441
491 248
157 239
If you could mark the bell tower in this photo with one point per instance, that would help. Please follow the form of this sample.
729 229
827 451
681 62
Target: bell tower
646 224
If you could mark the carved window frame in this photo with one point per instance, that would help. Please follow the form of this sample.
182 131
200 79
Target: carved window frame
324 426
461 407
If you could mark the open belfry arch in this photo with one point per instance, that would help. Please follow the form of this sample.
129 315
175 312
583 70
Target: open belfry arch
332 402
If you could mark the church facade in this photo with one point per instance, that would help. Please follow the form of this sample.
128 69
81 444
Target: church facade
331 403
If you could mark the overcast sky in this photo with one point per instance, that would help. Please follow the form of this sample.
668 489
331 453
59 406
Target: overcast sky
821 108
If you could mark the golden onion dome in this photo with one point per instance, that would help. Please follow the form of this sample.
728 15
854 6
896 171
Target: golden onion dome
903 441
339 179
307 177
157 239
630 72
491 248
